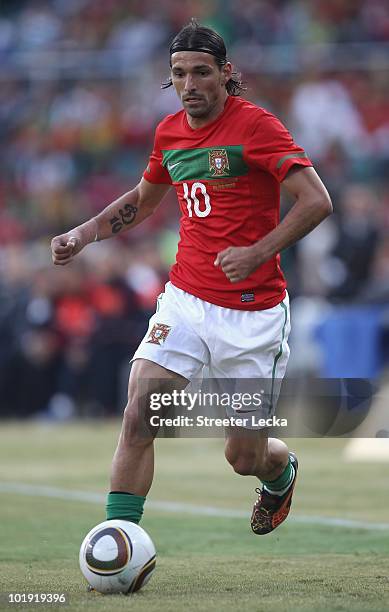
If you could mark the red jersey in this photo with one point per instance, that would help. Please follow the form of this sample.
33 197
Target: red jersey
227 177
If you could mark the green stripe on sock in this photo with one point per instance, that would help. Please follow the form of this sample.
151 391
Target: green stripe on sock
282 481
124 506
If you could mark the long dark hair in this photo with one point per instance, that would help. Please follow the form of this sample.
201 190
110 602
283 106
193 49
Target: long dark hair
194 37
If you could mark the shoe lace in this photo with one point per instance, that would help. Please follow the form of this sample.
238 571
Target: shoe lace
264 496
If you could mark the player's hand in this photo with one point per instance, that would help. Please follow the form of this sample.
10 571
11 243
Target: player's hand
65 246
237 263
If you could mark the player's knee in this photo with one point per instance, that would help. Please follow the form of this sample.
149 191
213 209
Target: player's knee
134 430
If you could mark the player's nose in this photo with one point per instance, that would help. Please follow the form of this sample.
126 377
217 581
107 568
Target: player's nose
190 86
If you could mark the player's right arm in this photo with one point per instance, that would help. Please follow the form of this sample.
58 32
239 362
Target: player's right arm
124 213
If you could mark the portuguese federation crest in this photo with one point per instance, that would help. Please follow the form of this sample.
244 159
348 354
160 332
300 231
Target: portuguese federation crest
218 162
158 334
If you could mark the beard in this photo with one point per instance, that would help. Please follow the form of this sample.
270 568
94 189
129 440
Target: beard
200 109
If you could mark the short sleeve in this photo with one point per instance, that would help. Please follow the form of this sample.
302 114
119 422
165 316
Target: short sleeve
155 172
272 147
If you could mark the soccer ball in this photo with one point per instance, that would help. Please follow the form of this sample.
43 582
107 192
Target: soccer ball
117 557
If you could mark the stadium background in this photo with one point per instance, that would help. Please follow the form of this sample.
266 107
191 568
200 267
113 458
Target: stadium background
79 101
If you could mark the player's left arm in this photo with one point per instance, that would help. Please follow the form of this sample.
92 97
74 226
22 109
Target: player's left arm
312 205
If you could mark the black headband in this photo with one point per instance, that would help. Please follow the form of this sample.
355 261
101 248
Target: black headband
199 50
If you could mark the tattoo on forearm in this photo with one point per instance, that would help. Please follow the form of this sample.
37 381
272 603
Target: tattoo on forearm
126 217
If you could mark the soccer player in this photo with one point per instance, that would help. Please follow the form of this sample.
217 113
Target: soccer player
226 305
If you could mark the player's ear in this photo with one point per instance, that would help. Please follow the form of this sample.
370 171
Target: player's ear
226 73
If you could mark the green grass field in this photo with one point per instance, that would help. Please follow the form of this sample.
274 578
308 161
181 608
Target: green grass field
204 562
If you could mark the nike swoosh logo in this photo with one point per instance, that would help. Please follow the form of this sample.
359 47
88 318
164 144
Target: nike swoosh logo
171 166
240 411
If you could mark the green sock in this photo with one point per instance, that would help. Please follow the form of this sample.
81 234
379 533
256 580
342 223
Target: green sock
280 485
125 506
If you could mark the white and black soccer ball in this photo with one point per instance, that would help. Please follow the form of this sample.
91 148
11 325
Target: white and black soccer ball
117 557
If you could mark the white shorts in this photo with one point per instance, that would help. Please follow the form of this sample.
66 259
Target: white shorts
195 338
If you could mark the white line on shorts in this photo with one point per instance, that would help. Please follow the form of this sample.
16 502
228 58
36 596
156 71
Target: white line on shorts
177 507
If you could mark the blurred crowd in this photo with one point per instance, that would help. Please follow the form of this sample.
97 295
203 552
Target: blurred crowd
79 101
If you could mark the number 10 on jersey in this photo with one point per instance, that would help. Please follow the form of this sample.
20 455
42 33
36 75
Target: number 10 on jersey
193 203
